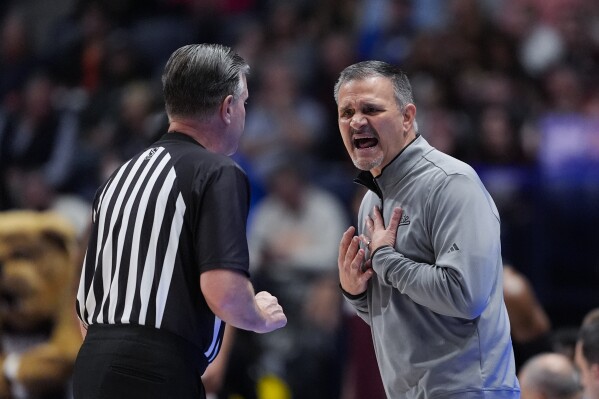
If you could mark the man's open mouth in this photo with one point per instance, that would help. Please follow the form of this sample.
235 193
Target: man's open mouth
365 142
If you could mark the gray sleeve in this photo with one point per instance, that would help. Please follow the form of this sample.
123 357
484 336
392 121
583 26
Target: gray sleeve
463 225
360 304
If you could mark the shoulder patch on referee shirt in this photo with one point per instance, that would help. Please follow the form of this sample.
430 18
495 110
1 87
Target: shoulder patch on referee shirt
151 153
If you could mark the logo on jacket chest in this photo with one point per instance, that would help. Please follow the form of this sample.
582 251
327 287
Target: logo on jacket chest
405 220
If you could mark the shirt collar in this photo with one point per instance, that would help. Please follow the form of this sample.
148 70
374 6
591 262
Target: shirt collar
178 136
397 169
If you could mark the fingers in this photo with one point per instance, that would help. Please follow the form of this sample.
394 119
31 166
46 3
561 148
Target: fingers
364 277
350 254
369 224
353 251
279 319
377 219
263 295
274 315
395 219
367 266
354 269
344 244
365 240
353 277
377 233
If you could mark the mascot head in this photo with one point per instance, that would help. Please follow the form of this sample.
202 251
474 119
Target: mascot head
37 255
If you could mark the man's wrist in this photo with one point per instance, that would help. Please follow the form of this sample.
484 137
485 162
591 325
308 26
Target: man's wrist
378 249
351 296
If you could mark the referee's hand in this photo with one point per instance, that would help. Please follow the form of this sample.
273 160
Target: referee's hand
274 317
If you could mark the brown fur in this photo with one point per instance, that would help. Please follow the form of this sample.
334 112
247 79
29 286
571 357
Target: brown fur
38 251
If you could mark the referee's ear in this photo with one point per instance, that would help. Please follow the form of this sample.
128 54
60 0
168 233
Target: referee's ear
226 110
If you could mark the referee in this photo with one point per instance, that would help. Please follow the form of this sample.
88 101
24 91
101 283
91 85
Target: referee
167 261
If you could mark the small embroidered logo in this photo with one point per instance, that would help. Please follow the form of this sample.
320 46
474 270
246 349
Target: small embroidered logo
454 247
151 153
405 219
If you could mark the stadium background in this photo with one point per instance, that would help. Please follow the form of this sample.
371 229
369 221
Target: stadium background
509 86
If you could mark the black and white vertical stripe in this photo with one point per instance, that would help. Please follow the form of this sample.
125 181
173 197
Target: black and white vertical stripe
130 260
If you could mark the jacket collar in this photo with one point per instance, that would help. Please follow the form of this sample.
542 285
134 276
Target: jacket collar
397 169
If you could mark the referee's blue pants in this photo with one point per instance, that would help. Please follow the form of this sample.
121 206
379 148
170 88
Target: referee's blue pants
131 362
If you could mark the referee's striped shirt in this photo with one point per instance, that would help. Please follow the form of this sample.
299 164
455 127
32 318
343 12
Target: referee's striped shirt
165 216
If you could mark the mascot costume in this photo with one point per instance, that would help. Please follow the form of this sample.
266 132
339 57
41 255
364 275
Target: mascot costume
39 333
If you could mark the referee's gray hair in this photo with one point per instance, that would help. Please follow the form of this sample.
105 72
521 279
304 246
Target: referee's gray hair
198 77
366 69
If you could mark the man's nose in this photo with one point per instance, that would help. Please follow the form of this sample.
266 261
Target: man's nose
357 121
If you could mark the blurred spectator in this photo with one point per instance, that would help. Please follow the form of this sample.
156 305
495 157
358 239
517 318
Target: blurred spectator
587 354
335 15
510 86
568 161
564 88
17 59
75 47
156 34
290 37
563 340
40 138
34 192
293 254
549 376
530 325
123 96
498 139
280 118
386 30
430 14
297 225
249 41
335 51
133 129
444 130
314 369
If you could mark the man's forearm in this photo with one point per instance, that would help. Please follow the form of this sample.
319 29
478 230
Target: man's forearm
231 297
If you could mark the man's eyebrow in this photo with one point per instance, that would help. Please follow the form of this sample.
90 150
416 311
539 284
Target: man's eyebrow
371 103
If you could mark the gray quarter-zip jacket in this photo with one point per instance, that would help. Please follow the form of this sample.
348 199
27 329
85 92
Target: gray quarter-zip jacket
435 303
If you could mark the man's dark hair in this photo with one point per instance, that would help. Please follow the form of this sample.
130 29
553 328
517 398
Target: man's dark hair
367 69
198 77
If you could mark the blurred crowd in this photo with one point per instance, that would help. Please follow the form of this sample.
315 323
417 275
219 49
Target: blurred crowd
509 86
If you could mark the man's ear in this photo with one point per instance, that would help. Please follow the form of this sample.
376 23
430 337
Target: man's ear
409 115
226 109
